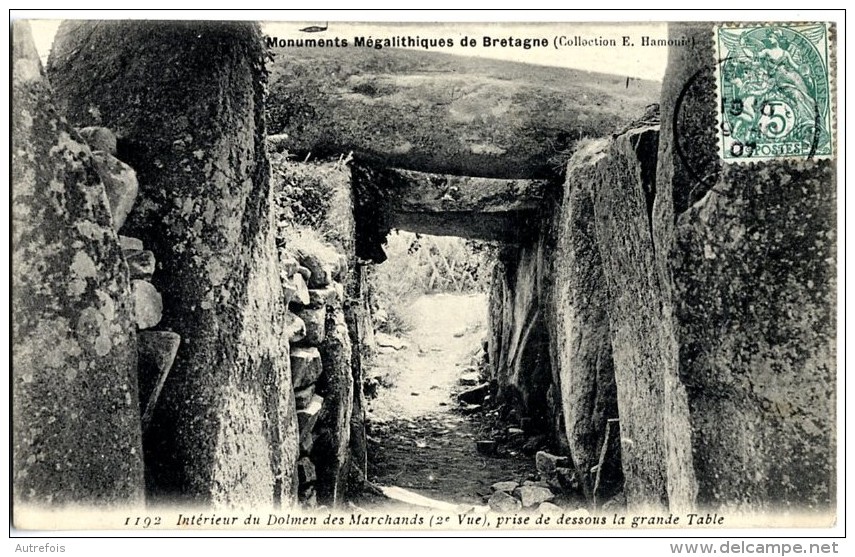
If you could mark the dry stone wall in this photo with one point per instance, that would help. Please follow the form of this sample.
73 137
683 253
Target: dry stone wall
328 321
321 368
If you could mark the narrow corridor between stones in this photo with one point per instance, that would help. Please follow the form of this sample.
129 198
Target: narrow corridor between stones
436 435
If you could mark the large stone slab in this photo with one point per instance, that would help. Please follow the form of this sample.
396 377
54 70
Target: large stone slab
76 438
186 101
331 450
520 365
433 112
654 426
752 250
581 345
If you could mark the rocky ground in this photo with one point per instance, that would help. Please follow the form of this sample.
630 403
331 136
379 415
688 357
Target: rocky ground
423 439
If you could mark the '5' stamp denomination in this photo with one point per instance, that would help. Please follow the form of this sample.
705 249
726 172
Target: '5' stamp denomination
774 91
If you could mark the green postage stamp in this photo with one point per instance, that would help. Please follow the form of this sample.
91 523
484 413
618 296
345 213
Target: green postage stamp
775 99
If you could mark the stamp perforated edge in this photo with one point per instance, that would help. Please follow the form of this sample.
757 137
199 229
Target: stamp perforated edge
831 64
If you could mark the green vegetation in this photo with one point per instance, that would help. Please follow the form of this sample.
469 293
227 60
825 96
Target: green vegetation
420 264
315 195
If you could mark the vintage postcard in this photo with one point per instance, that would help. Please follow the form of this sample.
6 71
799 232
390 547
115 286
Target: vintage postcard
578 278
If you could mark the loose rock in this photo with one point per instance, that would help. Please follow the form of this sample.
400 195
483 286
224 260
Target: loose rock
295 328
306 471
304 272
303 397
129 243
307 442
549 508
314 320
502 502
322 262
384 340
531 495
321 297
99 139
475 395
148 305
141 263
534 444
470 379
120 184
486 447
547 463
287 264
305 366
301 296
307 417
507 487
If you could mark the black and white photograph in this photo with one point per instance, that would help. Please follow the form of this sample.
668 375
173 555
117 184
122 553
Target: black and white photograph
426 277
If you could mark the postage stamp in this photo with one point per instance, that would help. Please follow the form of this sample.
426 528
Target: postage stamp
774 91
